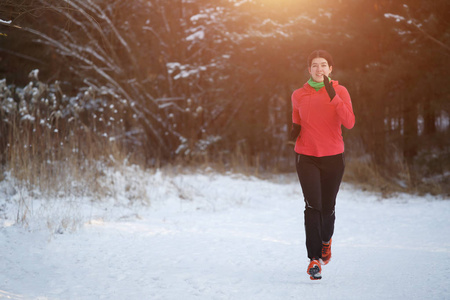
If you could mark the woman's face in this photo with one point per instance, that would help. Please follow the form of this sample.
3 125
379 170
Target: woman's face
319 67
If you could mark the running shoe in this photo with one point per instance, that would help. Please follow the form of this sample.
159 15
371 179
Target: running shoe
326 253
314 270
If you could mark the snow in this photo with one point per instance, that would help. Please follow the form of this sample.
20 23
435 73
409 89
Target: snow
197 17
28 117
239 3
205 235
34 74
5 22
397 18
198 35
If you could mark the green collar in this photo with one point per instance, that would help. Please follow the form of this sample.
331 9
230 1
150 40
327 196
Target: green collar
317 85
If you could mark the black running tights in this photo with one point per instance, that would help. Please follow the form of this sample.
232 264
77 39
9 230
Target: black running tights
320 178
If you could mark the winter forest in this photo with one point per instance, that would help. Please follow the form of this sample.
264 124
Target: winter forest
195 82
145 152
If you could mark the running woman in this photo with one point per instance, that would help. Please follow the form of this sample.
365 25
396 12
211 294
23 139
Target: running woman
319 109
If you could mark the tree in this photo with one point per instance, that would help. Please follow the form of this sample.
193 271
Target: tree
197 77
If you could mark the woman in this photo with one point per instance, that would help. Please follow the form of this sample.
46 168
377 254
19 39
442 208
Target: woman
319 109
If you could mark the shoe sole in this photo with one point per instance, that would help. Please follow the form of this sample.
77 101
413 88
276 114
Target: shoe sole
314 273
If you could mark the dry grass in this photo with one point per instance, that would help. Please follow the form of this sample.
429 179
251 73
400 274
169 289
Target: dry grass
367 176
54 146
395 177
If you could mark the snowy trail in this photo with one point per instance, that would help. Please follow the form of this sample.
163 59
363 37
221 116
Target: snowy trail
246 244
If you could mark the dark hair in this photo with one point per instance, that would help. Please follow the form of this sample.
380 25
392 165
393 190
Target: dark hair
322 54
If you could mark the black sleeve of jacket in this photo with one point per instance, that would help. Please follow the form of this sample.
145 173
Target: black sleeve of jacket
295 131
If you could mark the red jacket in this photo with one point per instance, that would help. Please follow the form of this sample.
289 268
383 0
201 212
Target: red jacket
321 120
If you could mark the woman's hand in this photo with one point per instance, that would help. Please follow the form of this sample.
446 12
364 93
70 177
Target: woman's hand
329 87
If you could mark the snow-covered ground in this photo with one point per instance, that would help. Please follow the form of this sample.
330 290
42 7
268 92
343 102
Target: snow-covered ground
204 235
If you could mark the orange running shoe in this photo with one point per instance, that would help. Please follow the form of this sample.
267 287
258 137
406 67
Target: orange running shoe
314 270
326 252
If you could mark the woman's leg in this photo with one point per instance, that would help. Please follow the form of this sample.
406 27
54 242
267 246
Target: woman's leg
309 176
332 170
